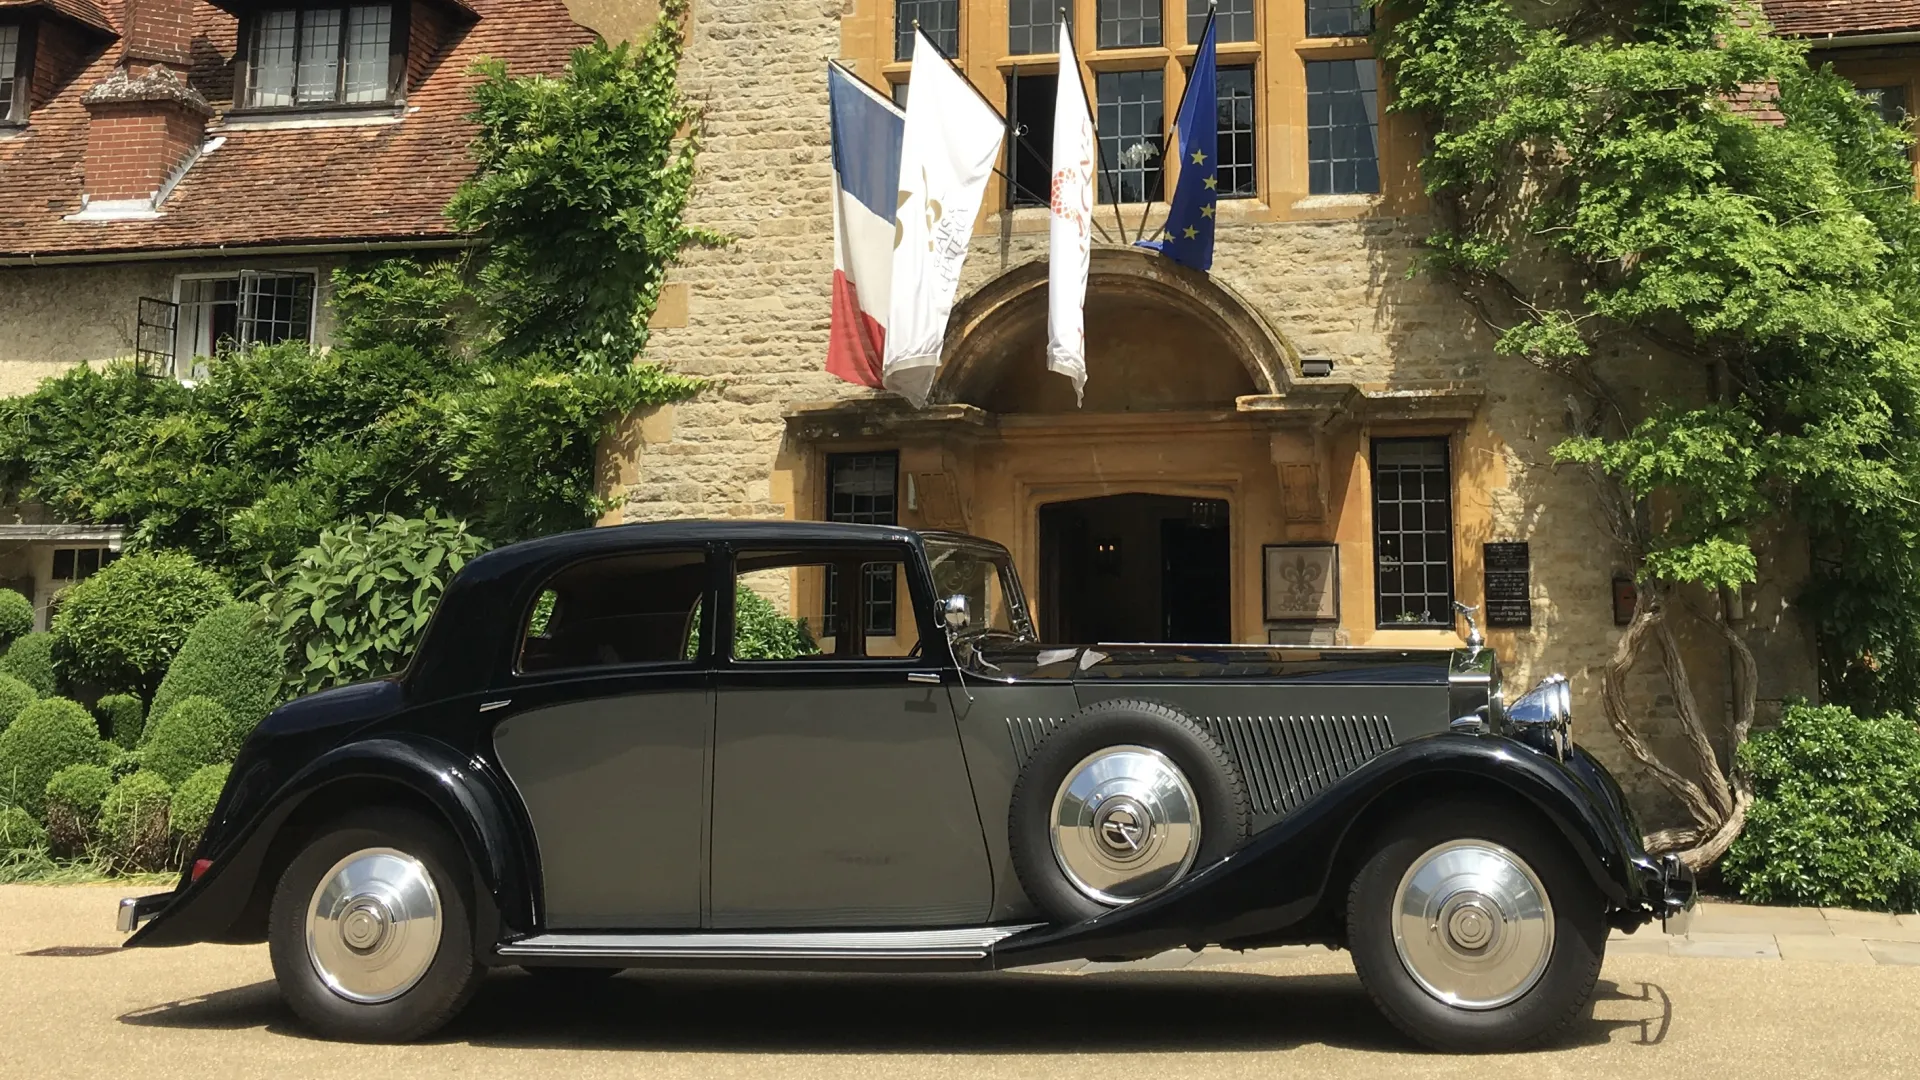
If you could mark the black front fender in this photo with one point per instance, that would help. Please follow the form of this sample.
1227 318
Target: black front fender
1281 876
223 904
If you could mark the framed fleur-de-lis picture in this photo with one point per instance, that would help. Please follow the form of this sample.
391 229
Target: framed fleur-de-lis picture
1301 582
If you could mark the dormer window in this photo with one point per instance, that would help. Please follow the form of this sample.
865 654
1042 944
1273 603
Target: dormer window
16 73
324 57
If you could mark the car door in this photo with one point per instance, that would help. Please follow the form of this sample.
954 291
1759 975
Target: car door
605 736
840 792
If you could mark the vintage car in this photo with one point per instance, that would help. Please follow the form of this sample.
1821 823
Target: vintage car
783 745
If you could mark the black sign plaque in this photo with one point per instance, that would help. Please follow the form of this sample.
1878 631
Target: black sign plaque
1509 572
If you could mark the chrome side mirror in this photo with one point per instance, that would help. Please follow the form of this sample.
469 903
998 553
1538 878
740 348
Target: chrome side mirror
955 611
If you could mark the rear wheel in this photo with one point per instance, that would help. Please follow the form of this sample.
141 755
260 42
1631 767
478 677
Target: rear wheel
370 933
1475 929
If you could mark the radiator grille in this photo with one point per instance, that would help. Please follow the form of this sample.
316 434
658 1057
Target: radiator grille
1287 760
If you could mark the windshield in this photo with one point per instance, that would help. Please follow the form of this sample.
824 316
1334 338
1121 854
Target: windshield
984 575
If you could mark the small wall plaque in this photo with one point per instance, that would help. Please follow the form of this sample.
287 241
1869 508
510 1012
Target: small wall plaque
1301 582
1508 569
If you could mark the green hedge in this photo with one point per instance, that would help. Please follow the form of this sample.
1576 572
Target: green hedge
133 823
761 632
74 797
232 658
120 628
48 736
30 660
193 734
19 832
123 717
16 617
14 696
1836 812
193 804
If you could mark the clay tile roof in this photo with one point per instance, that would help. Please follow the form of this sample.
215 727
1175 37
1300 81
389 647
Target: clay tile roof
374 183
85 12
1821 18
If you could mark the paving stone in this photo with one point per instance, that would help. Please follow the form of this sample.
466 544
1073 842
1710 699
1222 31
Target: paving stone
1905 953
1234 957
1062 967
1642 944
1823 947
1723 918
1728 946
1171 960
1879 925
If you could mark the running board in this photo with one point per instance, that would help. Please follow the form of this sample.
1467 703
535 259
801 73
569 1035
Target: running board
965 943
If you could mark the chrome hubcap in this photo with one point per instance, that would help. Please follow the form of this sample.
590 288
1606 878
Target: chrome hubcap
373 927
1473 924
1125 824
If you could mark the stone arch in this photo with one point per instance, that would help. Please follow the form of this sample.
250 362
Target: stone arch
1005 321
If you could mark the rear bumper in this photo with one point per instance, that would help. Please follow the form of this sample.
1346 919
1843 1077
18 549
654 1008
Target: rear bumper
1678 894
137 911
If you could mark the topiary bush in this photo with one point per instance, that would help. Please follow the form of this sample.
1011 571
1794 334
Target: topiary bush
122 717
761 632
230 657
1836 812
30 660
193 803
193 734
133 823
74 798
120 628
14 696
19 832
47 736
16 617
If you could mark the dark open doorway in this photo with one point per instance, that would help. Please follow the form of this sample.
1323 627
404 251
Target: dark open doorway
1135 568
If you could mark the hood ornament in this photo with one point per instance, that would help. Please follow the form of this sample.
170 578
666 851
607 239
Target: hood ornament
1475 639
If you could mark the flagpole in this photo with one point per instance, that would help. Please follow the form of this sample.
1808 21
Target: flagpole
1167 139
960 71
1093 120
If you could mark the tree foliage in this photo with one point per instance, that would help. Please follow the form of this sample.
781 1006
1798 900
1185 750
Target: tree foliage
1717 202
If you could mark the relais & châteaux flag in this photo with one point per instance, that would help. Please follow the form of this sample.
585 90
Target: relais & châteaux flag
866 133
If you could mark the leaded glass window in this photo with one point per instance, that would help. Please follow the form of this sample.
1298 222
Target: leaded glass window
1034 25
863 489
1132 127
1343 127
938 19
1127 24
321 56
13 76
1232 21
1412 533
1339 18
1235 159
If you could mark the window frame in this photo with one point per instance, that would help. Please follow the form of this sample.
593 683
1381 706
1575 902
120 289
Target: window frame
1113 173
313 308
1252 69
933 647
704 647
1373 128
17 109
1363 8
1445 443
830 610
903 32
398 47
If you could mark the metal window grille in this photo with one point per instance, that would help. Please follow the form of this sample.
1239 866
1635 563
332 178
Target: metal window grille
249 308
1030 100
10 73
1033 26
1412 532
1125 24
939 19
1339 18
1132 129
1343 127
863 489
275 308
1232 20
320 56
1234 160
156 329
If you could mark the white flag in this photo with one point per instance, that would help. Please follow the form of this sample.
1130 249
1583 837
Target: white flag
1070 239
947 152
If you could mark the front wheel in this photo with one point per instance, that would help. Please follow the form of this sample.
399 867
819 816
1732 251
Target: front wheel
1475 929
370 931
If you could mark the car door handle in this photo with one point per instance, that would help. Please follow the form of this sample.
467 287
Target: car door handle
931 677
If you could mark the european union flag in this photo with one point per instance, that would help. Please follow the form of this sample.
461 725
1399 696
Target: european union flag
1188 234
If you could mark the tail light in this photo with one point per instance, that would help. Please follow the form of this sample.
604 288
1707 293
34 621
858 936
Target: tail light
200 867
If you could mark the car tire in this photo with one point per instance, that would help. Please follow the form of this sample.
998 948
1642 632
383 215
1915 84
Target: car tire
1479 964
371 932
1156 760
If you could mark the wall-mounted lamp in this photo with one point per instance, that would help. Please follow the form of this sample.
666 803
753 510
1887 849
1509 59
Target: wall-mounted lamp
1316 367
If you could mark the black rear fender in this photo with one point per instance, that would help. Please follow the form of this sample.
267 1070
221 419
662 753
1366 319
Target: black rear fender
230 901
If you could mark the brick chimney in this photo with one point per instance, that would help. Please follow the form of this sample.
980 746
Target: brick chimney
146 124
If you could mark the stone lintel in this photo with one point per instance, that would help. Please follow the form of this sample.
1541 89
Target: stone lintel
862 418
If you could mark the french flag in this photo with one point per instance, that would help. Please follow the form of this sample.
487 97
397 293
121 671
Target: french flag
866 186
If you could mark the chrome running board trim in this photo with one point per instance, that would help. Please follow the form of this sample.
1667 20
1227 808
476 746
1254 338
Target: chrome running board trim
965 943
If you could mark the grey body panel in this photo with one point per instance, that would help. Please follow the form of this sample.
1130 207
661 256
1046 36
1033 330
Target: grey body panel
994 761
844 805
615 788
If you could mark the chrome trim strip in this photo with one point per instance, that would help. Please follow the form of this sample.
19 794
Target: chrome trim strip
492 705
965 943
930 677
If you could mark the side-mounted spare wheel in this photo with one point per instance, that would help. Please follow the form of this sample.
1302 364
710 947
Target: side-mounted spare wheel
1118 803
1474 928
371 931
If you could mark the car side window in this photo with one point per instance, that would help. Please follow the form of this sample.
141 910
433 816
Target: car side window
615 611
829 604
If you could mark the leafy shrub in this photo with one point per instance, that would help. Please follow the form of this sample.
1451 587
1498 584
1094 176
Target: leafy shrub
120 628
14 696
19 832
133 823
122 716
193 734
352 606
30 660
193 803
74 797
761 632
231 657
47 736
1836 812
16 617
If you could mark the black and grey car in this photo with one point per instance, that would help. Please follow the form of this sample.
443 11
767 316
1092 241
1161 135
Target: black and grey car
783 745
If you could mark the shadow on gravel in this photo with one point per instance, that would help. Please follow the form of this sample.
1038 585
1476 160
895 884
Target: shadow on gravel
1114 1012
